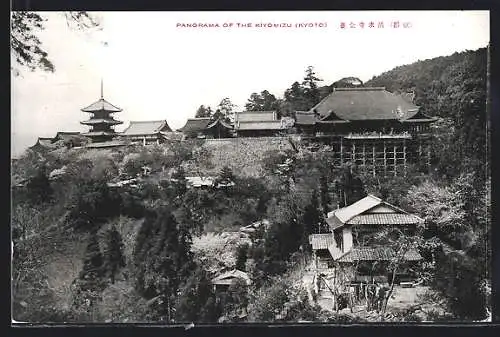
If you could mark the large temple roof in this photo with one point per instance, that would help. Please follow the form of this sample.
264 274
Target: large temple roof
365 103
101 105
195 124
146 127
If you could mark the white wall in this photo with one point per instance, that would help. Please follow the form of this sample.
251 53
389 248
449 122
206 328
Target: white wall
347 238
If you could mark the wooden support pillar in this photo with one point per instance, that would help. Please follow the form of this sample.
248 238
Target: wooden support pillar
428 158
385 159
395 161
404 158
341 152
374 161
353 152
364 156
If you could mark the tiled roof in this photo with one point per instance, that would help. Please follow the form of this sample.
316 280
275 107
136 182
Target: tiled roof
321 241
62 135
100 105
219 122
305 118
195 124
366 104
346 213
45 141
228 277
375 254
263 125
146 127
384 219
255 116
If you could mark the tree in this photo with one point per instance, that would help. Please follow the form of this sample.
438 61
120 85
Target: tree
350 187
197 301
162 259
113 253
38 187
311 91
26 47
90 282
179 181
204 112
92 204
242 256
313 218
236 299
265 101
458 279
225 177
225 111
295 97
324 193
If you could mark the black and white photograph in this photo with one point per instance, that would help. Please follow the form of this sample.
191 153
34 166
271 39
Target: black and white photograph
221 167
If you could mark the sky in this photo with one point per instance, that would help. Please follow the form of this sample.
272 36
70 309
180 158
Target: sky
154 66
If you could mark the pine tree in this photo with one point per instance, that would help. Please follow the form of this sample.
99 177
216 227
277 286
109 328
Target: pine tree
313 218
38 187
197 302
90 283
203 112
310 83
163 259
325 195
241 257
179 181
113 254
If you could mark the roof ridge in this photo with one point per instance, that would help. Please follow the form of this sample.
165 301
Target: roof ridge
152 121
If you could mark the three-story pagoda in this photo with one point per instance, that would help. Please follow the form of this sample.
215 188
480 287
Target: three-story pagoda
101 121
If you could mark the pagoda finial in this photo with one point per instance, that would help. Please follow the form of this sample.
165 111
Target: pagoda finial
102 91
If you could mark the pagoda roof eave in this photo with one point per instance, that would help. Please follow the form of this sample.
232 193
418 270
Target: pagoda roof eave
101 121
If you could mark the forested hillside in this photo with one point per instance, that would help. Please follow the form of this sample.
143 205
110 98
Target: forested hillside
87 249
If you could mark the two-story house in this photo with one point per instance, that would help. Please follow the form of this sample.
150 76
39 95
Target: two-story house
352 247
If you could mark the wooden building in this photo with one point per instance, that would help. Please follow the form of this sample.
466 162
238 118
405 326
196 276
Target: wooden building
222 282
258 124
42 144
101 121
374 129
206 128
147 132
350 247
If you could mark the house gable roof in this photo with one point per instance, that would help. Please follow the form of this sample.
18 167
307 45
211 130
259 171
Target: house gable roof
228 277
365 103
370 210
146 127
